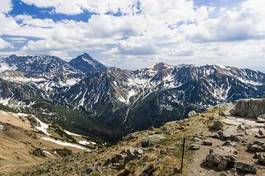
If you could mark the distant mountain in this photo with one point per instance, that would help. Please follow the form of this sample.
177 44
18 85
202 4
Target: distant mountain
86 64
87 96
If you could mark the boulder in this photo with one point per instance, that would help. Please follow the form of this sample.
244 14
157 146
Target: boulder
261 158
133 153
2 127
220 159
256 146
38 152
244 168
251 108
64 152
194 146
192 113
216 125
261 118
207 143
151 140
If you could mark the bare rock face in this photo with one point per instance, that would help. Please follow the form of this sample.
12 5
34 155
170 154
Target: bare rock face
251 108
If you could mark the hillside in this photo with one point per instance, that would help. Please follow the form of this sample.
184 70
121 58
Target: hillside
26 141
219 142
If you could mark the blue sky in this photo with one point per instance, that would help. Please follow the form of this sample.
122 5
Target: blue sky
137 33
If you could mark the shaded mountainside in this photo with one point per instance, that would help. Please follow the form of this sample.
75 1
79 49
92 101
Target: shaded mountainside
86 96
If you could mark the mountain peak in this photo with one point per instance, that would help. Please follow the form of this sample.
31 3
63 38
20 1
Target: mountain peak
86 64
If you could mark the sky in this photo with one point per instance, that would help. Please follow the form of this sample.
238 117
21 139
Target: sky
134 34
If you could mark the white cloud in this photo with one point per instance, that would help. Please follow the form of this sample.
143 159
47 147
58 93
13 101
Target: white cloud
6 6
4 44
172 31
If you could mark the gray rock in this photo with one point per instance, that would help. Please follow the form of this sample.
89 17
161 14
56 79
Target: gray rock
261 118
256 146
192 113
2 127
207 143
133 153
251 108
244 168
261 158
151 140
194 146
220 159
216 125
38 152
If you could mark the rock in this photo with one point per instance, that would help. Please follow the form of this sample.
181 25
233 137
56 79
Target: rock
261 118
129 137
224 113
192 113
261 158
256 146
63 152
261 131
216 125
2 127
148 171
117 158
241 127
207 143
151 140
220 159
125 172
251 108
229 143
146 143
133 153
244 168
38 152
87 170
194 146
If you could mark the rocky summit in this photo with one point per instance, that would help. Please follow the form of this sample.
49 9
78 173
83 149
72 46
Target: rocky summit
87 97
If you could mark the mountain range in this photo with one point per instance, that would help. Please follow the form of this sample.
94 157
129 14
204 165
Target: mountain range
87 97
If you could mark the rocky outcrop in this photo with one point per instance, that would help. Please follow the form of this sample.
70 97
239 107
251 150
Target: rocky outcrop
220 159
251 108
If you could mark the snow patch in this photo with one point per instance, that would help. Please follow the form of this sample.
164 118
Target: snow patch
66 144
41 126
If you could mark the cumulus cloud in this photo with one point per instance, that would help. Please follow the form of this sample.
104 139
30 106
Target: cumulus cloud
145 32
6 6
4 44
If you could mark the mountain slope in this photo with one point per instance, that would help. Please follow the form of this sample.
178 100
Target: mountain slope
113 102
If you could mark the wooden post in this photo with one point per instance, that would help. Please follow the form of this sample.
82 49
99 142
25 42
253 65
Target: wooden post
183 153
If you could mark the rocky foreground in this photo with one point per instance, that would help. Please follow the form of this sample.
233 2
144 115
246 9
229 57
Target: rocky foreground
225 140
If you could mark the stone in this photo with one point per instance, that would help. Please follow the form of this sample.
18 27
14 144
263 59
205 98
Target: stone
245 168
151 140
192 113
2 127
133 153
256 146
220 159
194 146
251 108
207 143
117 158
229 143
87 170
216 125
241 127
64 152
125 172
38 152
261 157
261 118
